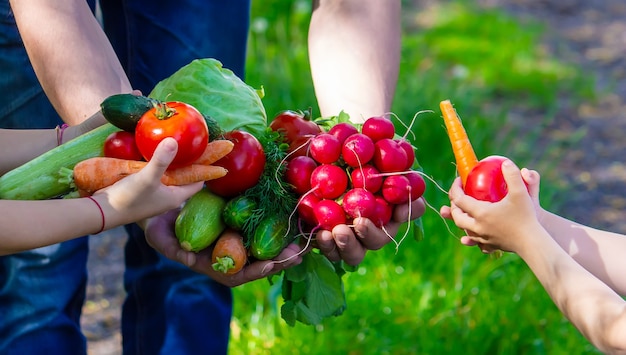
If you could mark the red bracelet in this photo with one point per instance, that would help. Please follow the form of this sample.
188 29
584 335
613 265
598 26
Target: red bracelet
101 212
60 130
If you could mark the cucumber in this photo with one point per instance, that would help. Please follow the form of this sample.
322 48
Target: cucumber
199 222
238 210
39 179
269 239
125 110
215 131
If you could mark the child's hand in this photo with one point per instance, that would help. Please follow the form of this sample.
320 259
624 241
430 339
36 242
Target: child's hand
497 225
143 195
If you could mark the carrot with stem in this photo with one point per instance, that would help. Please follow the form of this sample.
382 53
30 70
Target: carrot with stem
229 253
461 146
91 175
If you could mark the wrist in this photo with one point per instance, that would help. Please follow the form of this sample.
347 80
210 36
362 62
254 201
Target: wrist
61 133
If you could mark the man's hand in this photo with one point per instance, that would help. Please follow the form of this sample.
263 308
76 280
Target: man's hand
160 235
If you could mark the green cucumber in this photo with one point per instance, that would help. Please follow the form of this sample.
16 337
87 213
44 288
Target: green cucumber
125 110
199 222
238 210
270 238
215 131
39 179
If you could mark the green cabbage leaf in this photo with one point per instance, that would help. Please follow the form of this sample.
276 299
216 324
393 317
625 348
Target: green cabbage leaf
216 92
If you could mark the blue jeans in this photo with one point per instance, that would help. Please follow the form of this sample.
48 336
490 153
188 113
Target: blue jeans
169 308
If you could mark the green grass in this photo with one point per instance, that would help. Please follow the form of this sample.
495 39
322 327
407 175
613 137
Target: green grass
433 296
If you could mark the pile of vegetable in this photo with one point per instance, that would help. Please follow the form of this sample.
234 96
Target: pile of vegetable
285 180
266 184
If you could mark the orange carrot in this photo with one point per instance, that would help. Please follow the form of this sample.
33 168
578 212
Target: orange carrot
215 151
96 173
229 253
461 146
192 173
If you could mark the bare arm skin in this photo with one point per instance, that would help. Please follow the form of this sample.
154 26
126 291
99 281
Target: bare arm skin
135 197
72 57
354 50
21 145
514 224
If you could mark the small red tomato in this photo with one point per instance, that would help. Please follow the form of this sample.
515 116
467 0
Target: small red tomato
245 165
121 145
173 119
485 181
297 129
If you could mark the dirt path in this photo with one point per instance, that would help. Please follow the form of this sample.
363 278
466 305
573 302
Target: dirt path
591 33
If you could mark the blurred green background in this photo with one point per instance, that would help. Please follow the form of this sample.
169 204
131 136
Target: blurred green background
433 296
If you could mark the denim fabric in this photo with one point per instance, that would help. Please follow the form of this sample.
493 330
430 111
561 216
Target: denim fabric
23 103
169 309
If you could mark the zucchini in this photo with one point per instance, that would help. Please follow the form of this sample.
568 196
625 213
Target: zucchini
199 222
38 179
125 110
269 239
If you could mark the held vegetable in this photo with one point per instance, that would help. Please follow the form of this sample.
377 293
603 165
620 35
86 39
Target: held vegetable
229 255
482 180
238 211
125 110
38 179
269 239
200 222
461 146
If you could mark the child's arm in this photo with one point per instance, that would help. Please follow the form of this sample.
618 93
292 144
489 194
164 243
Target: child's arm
22 145
513 224
600 252
592 306
30 224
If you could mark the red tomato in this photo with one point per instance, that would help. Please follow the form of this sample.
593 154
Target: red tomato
245 164
485 181
122 145
298 130
173 119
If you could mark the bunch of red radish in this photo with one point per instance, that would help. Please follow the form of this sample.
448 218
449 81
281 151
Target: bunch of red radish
348 173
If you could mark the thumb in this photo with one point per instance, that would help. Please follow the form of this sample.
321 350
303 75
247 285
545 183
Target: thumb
163 156
513 177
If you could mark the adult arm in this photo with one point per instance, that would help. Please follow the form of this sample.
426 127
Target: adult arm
354 51
71 55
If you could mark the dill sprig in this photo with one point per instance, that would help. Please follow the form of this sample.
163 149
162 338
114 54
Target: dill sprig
273 194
